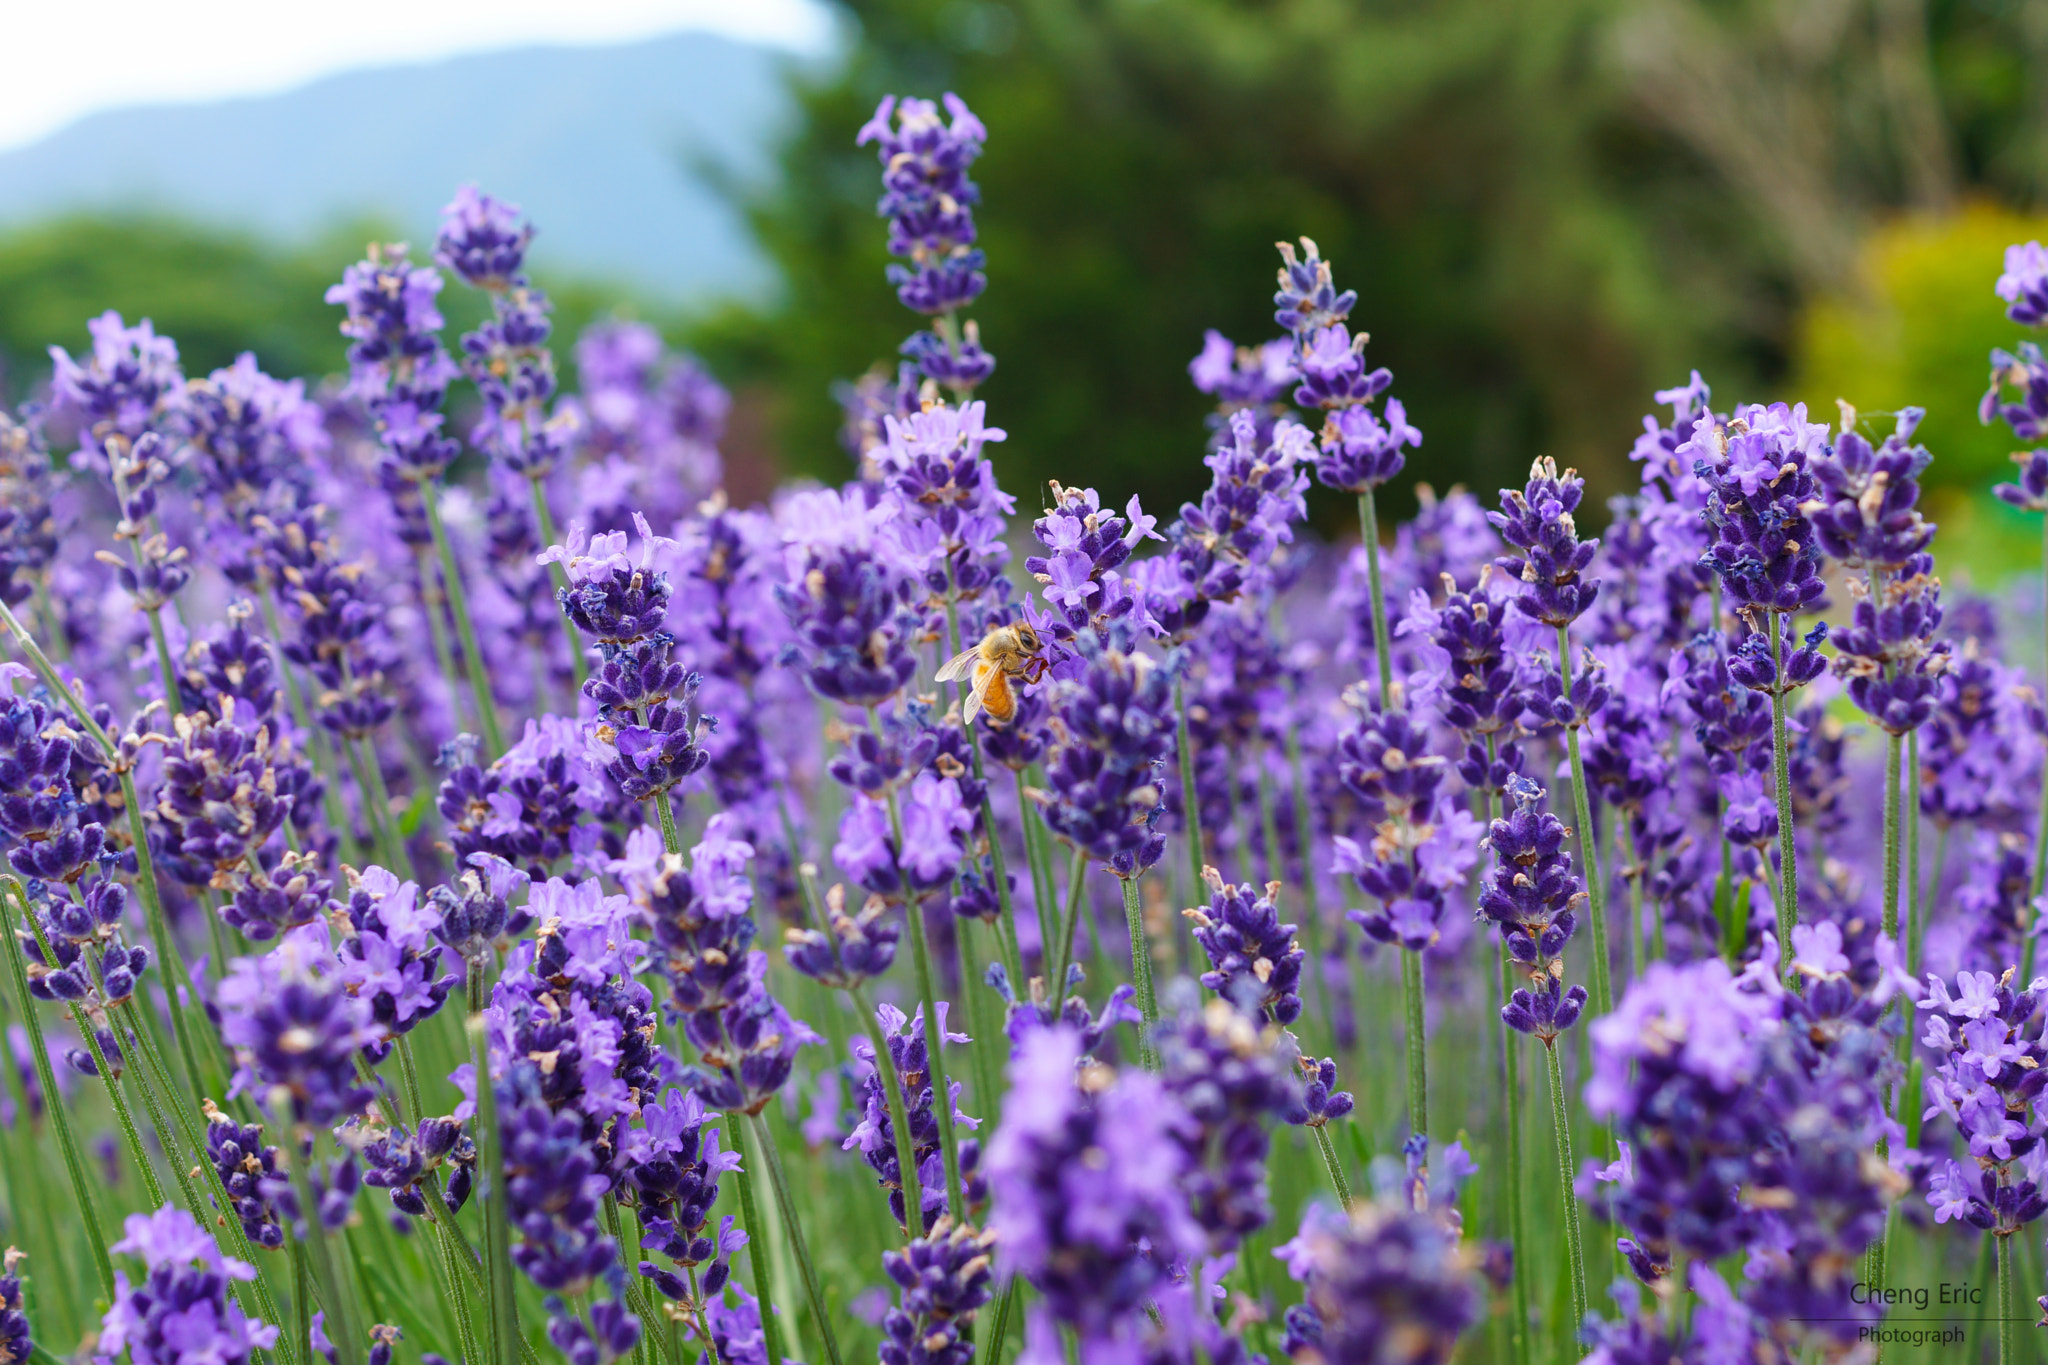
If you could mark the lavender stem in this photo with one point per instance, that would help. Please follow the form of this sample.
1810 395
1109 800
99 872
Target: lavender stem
1141 971
465 628
1781 768
1589 846
1561 1124
53 1098
1382 646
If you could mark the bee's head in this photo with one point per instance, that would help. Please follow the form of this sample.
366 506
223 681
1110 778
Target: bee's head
1027 638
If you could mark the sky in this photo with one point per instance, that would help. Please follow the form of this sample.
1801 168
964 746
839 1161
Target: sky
69 60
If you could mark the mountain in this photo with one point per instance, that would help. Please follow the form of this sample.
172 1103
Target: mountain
601 145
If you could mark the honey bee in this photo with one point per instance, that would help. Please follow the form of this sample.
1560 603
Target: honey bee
1004 653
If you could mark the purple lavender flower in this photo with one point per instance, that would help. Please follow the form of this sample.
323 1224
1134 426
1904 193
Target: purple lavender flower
397 366
1985 1083
1889 653
852 948
295 1028
1085 1172
391 958
1254 377
746 1040
1116 728
15 1342
1863 513
1383 1283
1085 546
943 1278
408 1164
1226 544
673 1164
129 385
848 598
1233 1075
875 1134
648 726
1533 897
1756 468
531 806
28 526
650 421
181 1312
248 432
220 792
2024 285
1321 1100
2030 494
1253 959
484 241
48 836
1537 520
929 202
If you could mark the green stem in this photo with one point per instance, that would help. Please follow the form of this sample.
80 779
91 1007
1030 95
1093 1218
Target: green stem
793 1229
1418 1064
490 1191
1582 807
1914 904
1894 753
1781 767
1000 1328
671 837
318 739
465 628
899 1121
1518 1329
346 1334
153 1075
137 1153
934 1039
636 1297
1575 1251
302 1300
1382 646
545 521
1040 860
1141 972
757 1242
2004 1254
53 1098
1056 980
1333 1165
1190 801
432 606
165 669
369 775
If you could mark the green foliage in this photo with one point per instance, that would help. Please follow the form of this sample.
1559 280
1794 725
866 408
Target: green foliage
1538 241
1920 330
217 293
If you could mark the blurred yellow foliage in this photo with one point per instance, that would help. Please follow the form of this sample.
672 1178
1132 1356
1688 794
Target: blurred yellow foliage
1921 332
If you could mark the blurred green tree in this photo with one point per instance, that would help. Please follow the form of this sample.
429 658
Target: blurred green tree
1549 207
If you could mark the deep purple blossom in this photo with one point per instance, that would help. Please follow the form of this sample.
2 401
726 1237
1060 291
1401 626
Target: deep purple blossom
295 1029
1756 468
181 1313
1087 1197
1381 1283
1537 520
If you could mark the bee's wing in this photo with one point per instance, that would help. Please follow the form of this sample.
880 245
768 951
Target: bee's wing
986 678
957 666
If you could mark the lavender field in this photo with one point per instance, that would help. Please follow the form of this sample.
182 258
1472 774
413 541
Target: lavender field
478 894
